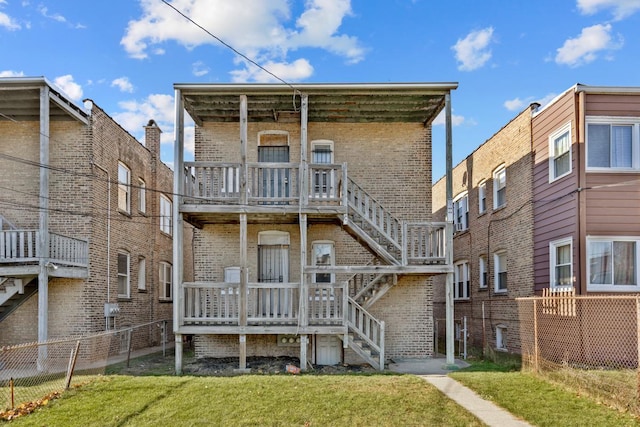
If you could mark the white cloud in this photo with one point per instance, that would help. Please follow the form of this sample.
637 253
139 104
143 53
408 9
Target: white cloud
514 104
55 16
123 84
135 114
267 33
200 69
473 51
619 8
72 89
7 21
440 119
296 71
11 73
585 48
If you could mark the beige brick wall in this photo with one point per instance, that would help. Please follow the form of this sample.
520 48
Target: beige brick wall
509 228
79 208
390 161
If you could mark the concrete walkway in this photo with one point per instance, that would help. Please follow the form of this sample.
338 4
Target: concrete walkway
435 372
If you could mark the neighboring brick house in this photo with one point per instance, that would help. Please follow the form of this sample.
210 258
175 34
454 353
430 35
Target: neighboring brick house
313 212
86 219
493 238
571 220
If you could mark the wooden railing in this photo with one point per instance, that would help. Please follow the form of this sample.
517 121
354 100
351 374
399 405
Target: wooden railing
207 303
272 183
366 327
21 246
425 243
326 182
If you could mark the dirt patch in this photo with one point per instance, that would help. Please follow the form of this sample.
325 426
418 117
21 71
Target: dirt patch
157 364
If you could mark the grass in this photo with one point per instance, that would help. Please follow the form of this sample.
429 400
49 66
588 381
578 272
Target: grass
279 400
317 400
537 400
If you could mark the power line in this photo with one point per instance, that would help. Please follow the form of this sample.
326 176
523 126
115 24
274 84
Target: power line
227 45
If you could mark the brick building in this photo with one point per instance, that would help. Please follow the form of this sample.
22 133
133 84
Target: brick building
550 202
312 208
493 237
86 236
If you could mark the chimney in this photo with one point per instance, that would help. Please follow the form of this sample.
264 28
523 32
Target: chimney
152 140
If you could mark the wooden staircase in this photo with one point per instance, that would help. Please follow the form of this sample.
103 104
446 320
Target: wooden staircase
15 291
372 225
366 334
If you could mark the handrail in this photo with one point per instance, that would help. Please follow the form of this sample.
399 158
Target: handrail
22 246
367 327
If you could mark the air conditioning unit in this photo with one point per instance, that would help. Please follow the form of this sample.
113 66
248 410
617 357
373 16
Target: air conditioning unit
458 226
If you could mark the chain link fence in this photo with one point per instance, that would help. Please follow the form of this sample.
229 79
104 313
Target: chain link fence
589 343
36 371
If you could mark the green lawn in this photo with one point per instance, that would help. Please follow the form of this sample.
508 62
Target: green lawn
253 400
316 400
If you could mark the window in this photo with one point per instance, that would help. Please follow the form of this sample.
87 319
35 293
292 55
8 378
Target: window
560 260
323 255
166 219
499 187
123 275
142 273
165 279
500 275
142 195
501 337
560 153
324 178
612 264
124 188
613 143
482 197
482 270
461 212
461 277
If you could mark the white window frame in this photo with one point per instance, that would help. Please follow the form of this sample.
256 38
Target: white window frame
461 288
461 204
501 337
124 275
483 276
612 287
332 257
634 122
142 195
553 263
559 134
482 197
166 215
498 268
165 279
142 274
497 173
124 188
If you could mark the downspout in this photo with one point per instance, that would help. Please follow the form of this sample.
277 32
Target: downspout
108 236
582 183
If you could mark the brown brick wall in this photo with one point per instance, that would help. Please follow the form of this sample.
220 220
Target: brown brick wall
509 228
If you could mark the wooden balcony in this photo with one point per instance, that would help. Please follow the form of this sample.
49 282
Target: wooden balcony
208 307
20 255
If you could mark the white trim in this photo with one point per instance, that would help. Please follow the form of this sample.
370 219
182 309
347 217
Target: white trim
125 187
501 332
464 225
165 269
482 196
496 172
322 142
634 122
483 270
332 257
165 217
273 237
499 268
142 273
553 137
466 282
553 262
142 195
612 287
127 275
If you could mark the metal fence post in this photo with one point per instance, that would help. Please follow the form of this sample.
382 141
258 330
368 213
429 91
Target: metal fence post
535 335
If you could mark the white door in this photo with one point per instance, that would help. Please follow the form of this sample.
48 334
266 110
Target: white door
328 350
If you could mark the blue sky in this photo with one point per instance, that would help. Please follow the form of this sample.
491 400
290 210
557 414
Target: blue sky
125 55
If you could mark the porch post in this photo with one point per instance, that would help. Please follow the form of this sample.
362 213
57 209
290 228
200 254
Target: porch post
43 240
242 301
304 161
449 315
178 188
302 311
243 149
